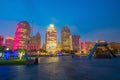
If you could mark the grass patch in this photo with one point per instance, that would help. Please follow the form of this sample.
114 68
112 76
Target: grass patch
12 62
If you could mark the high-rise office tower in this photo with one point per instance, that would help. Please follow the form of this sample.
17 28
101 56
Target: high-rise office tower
22 35
35 42
75 42
1 40
51 36
65 38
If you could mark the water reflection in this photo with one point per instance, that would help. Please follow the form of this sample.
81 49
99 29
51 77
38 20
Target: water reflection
21 72
24 72
52 59
48 59
62 68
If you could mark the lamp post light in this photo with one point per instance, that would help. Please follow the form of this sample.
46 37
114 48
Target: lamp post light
6 54
7 49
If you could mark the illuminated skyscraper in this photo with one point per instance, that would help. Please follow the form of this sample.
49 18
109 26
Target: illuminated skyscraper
75 42
9 41
51 43
22 35
38 39
65 38
35 42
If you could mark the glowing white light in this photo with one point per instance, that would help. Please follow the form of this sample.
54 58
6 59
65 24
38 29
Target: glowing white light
51 25
7 49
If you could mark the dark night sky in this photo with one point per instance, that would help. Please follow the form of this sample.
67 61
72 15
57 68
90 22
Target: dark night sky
91 19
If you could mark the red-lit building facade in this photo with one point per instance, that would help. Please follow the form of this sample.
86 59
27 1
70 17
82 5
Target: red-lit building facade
75 42
22 35
86 47
1 40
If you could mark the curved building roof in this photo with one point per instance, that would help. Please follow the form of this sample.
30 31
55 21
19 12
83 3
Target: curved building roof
24 24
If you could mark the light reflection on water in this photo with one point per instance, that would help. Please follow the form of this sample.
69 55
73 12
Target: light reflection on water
53 59
28 72
63 68
22 72
47 60
19 71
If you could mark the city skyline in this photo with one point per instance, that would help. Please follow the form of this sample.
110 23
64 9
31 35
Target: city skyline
59 39
89 19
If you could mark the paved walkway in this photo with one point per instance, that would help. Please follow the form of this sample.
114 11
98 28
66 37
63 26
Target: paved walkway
64 68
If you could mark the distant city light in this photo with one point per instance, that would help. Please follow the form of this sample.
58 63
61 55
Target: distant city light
100 41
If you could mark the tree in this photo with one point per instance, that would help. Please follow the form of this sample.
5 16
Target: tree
2 48
21 52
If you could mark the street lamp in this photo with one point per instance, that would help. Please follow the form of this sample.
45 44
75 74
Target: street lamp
7 49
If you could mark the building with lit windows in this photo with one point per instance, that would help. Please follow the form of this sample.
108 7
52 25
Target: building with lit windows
35 42
1 40
59 47
51 43
115 47
86 47
22 35
44 46
9 41
65 38
75 42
